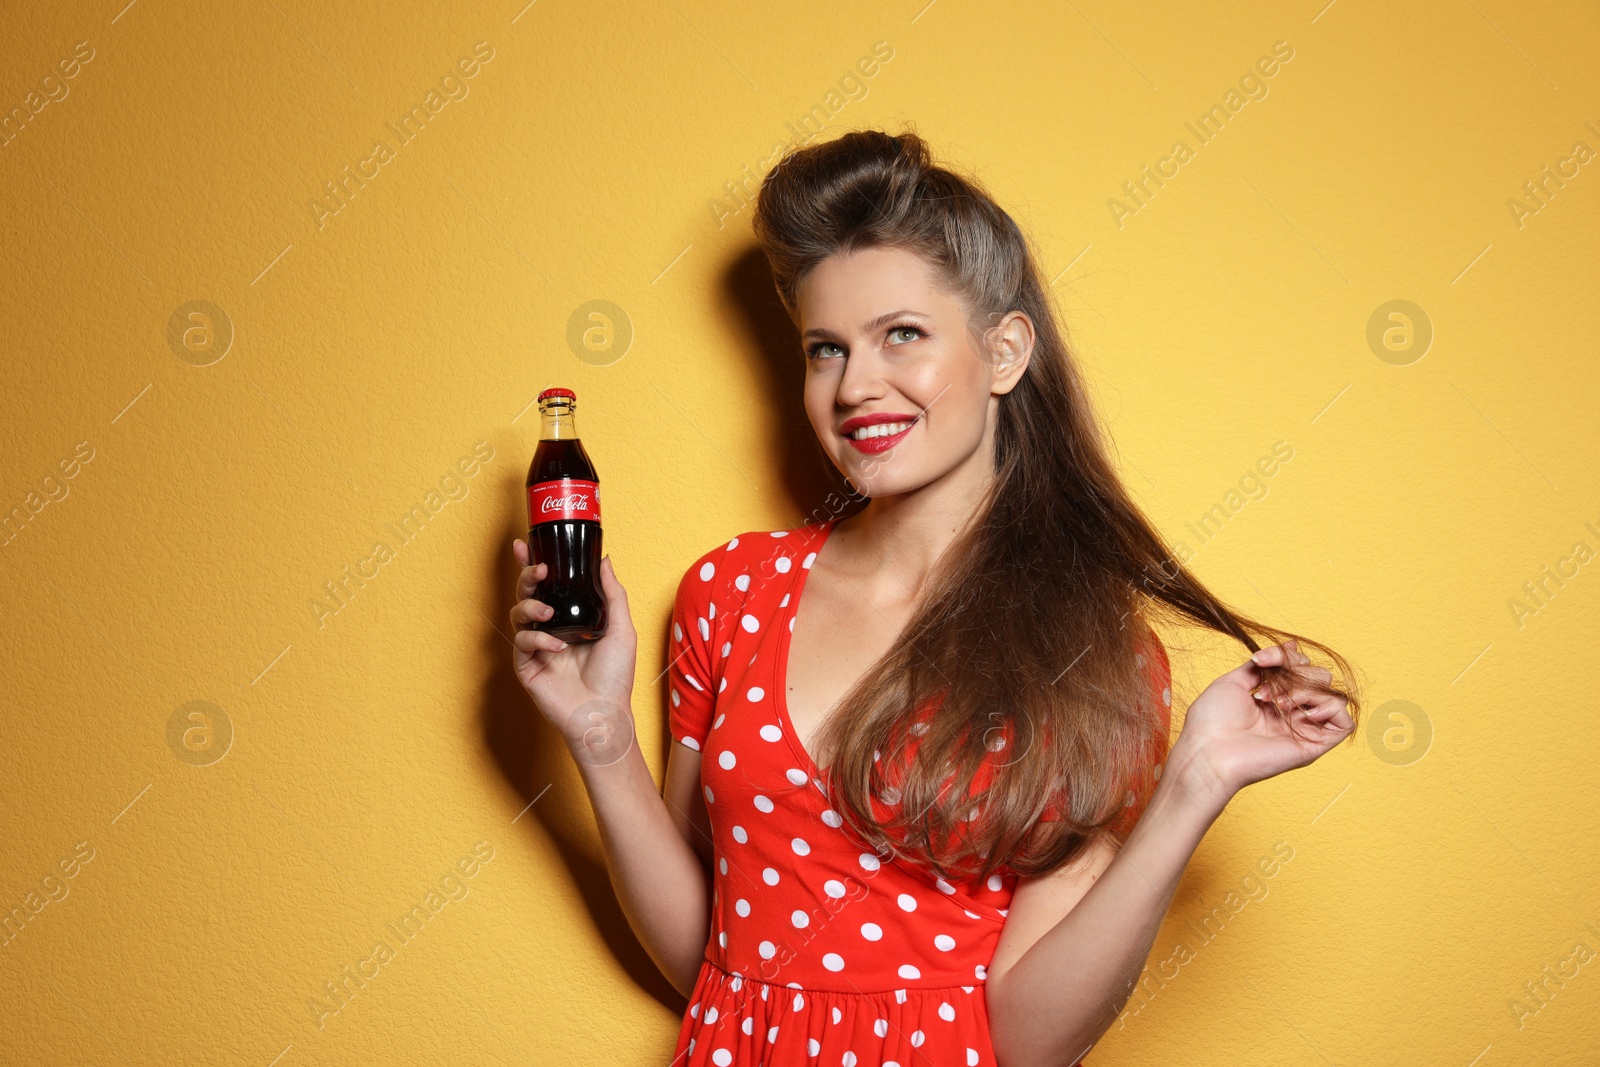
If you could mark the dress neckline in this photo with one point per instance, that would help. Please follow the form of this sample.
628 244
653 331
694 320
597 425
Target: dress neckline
781 660
791 736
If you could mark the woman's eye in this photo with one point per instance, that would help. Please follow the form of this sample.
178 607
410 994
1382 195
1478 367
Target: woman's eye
820 348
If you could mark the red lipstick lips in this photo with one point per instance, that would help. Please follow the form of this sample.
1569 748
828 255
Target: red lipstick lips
874 445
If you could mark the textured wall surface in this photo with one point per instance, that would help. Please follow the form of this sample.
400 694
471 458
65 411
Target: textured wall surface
278 272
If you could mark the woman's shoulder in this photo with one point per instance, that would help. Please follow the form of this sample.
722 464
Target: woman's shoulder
736 569
754 548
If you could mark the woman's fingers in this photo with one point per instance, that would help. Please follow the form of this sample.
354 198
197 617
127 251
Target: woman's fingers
1277 655
1327 714
531 641
530 577
1336 711
530 611
1284 654
526 609
1292 698
619 620
1269 656
1267 691
1331 718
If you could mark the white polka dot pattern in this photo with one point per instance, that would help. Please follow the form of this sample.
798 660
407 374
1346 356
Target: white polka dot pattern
873 960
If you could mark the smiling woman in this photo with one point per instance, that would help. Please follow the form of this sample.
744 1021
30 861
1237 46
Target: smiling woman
948 706
970 681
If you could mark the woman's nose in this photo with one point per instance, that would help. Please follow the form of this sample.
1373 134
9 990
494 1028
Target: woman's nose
862 379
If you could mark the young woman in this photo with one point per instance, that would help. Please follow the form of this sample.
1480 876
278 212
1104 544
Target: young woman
920 806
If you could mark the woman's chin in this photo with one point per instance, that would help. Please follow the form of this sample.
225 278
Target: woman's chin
879 485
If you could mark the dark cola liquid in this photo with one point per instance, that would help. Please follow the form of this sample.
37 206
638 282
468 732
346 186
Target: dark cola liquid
571 548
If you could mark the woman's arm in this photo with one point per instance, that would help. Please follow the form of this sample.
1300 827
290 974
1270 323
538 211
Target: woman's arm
1053 1003
585 690
659 878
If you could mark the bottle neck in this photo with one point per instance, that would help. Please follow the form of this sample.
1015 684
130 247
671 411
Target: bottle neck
559 424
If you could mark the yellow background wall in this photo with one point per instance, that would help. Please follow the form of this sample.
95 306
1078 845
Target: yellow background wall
347 359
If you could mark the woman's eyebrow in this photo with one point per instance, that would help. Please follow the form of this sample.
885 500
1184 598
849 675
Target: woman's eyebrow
867 327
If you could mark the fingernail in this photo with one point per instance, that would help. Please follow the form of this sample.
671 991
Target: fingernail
561 646
1255 656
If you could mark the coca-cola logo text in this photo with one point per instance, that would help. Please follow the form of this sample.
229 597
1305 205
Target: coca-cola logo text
563 498
575 502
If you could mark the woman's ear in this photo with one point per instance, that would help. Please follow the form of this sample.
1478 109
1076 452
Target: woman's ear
1010 345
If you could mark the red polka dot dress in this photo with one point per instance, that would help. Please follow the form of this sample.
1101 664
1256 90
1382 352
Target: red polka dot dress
821 954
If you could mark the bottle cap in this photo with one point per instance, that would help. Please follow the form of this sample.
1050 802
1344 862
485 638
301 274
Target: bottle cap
558 392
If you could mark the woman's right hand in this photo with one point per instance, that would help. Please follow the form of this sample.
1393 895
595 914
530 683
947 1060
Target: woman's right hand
585 688
1230 739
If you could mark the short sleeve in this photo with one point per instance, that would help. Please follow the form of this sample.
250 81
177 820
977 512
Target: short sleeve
693 658
1153 658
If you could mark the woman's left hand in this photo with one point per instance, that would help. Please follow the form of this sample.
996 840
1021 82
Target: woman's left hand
1234 739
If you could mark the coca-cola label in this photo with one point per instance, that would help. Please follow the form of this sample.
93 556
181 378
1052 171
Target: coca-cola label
563 498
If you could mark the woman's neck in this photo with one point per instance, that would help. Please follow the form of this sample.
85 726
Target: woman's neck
890 547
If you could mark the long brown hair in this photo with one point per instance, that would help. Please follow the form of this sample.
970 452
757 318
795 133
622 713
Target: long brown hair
1025 621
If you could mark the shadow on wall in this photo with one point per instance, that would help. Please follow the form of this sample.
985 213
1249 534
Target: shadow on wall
769 336
526 748
535 763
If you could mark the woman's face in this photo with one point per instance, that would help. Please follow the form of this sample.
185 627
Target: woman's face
881 337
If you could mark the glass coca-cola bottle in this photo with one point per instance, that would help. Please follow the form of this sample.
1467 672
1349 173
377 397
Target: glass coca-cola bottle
564 524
